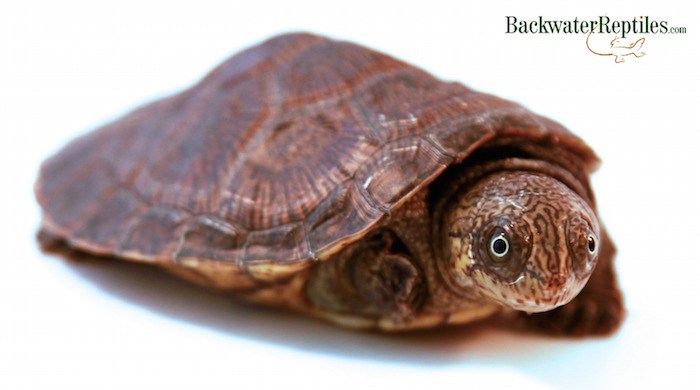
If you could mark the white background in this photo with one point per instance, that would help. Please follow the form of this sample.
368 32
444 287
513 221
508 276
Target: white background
67 67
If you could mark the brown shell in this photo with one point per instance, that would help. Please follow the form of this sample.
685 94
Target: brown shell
278 156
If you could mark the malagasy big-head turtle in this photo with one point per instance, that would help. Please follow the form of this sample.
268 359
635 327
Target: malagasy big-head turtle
334 180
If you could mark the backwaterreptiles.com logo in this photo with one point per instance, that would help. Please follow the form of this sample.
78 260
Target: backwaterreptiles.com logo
604 36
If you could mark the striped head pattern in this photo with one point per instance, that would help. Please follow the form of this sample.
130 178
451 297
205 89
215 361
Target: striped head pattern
522 239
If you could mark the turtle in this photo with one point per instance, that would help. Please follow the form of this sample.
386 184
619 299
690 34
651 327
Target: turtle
323 177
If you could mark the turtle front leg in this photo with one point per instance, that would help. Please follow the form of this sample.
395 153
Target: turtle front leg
375 278
598 310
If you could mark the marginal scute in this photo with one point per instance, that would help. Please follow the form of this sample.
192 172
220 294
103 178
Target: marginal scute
149 237
333 205
273 253
280 243
107 222
210 238
344 214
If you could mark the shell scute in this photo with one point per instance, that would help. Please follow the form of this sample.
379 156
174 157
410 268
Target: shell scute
397 168
344 214
149 235
297 161
339 68
280 243
205 237
108 220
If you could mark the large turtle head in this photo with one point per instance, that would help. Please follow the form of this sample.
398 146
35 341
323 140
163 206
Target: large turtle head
522 239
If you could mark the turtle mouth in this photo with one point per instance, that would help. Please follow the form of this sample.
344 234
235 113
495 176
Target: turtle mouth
548 300
536 293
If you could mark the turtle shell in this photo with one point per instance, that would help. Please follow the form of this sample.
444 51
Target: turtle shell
277 158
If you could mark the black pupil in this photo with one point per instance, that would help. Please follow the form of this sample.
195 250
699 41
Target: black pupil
591 244
499 246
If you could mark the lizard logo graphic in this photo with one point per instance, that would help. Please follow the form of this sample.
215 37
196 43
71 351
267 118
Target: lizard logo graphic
618 49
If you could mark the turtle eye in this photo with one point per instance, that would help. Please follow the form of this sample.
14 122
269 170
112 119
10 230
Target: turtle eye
583 244
499 245
592 245
504 247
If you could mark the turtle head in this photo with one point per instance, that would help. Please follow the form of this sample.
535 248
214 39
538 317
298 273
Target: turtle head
521 239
